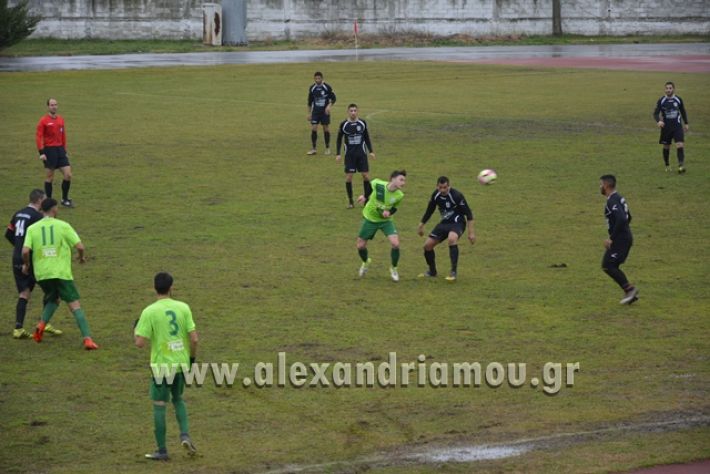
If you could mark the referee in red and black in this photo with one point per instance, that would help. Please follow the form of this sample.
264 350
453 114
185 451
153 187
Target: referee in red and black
51 144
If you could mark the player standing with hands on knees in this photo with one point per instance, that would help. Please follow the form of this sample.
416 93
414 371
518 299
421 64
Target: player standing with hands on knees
672 119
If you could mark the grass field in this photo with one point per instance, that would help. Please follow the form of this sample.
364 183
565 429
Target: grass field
202 172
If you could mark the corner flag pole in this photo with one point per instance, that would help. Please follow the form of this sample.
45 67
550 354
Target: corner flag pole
356 29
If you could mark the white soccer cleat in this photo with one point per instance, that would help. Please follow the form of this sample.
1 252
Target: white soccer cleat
630 296
363 268
394 274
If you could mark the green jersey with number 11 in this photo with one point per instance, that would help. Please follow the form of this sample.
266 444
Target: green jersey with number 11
167 323
381 199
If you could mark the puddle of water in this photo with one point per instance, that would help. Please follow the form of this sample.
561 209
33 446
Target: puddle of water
469 453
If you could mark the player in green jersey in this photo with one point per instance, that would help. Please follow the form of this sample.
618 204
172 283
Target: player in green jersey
169 327
50 241
378 211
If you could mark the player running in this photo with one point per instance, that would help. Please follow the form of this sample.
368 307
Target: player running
620 238
377 215
455 213
50 242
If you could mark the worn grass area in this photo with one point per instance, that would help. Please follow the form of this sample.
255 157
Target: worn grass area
202 172
327 40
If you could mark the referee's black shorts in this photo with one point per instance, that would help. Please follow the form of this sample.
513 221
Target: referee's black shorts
56 157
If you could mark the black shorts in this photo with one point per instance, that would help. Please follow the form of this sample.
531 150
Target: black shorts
23 282
442 229
669 134
356 163
320 117
616 254
56 157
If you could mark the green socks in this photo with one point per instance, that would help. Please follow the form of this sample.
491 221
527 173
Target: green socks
48 311
181 415
159 421
80 321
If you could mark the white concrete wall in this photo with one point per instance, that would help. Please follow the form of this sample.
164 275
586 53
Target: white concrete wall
279 19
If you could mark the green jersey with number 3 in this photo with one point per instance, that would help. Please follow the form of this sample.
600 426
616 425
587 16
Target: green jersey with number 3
51 241
381 199
167 323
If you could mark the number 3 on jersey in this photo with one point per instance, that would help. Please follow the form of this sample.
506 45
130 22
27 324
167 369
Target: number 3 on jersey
173 324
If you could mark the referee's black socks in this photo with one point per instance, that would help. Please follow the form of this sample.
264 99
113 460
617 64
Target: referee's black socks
65 189
48 189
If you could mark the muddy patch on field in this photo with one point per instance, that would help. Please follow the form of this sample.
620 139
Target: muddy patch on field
471 453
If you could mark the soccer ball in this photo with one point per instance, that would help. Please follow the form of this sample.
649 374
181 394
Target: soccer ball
487 177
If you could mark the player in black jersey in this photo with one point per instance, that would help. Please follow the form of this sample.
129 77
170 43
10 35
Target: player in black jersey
620 239
455 214
15 234
357 146
668 114
320 99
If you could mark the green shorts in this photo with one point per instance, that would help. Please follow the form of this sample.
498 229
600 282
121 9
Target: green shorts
369 229
55 288
161 392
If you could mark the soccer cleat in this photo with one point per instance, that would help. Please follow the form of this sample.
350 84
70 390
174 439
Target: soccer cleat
157 456
89 344
668 169
311 152
21 334
39 331
630 296
394 273
681 169
363 268
327 151
427 274
350 205
451 276
187 444
52 330
67 203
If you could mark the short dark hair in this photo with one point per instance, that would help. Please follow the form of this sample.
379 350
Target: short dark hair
396 173
352 105
670 83
609 179
37 195
48 204
51 98
442 180
318 73
162 282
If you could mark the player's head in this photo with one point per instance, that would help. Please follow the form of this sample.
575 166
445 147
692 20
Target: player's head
607 184
669 88
49 207
352 111
318 77
52 105
163 282
37 196
442 185
398 178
